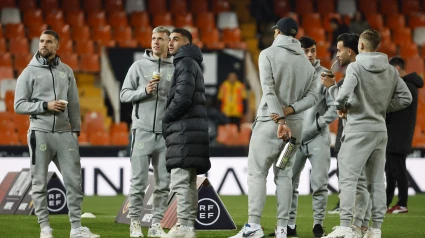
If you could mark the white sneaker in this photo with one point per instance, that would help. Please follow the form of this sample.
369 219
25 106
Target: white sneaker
136 229
180 231
343 232
82 232
279 234
46 232
247 231
373 233
156 230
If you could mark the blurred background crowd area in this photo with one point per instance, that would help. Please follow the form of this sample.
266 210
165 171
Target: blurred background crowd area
87 28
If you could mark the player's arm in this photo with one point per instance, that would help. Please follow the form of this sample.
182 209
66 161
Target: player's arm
310 96
73 106
23 92
330 115
350 83
401 96
129 91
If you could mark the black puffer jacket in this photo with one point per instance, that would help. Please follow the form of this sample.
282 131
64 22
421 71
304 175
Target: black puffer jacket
401 124
185 124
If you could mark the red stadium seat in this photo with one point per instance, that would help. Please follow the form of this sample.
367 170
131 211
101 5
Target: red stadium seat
178 7
183 20
5 59
75 18
71 59
162 19
71 5
118 19
114 5
14 31
96 19
81 33
396 21
33 17
143 35
199 7
282 7
139 19
90 63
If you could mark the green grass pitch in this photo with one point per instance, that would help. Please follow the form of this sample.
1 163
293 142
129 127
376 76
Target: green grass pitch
411 224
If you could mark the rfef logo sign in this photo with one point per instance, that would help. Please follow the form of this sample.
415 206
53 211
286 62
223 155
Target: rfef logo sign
208 212
56 200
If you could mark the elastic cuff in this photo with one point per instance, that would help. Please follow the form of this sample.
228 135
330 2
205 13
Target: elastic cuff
44 224
282 222
186 222
75 225
377 225
358 222
292 108
45 106
254 219
345 223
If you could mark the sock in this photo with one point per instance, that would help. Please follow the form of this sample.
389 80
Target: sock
292 226
254 225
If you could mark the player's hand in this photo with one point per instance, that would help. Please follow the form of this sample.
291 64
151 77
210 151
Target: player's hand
342 113
151 86
56 106
274 117
327 81
283 132
288 111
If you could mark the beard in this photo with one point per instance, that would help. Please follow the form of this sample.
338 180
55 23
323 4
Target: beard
46 54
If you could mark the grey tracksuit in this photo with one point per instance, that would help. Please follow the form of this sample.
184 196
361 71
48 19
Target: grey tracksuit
374 88
287 78
316 147
147 143
50 135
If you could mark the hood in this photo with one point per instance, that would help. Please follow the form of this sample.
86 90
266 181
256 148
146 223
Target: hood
373 61
149 56
38 61
415 79
316 64
288 43
191 51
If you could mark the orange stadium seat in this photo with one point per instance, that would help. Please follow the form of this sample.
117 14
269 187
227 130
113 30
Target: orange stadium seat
14 30
92 6
368 6
18 45
402 35
205 21
324 61
232 39
22 61
55 18
123 34
199 7
178 7
143 35
183 20
8 138
325 6
408 50
375 21
304 6
388 48
23 137
64 31
327 20
322 49
301 32
99 139
90 63
120 138
385 34
220 6
96 19
132 43
114 5
396 21
5 59
34 31
28 5
157 6
49 5
317 34
227 134
6 72
282 7
7 3
211 39
84 47
139 19
81 33
389 7
66 46
93 122
75 18
33 17
119 127
410 6
162 19
415 64
417 20
311 20
71 59
102 35
83 138
118 19
423 52
71 5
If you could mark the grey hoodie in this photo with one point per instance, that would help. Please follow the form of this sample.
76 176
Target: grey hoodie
148 110
373 88
317 118
286 78
40 83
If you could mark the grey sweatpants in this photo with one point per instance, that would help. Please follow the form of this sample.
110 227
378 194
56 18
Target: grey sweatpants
183 183
363 203
146 147
62 149
319 154
358 150
263 153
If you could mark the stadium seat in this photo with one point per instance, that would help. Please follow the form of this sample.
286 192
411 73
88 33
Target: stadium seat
303 7
227 134
417 20
244 136
49 5
83 138
139 19
385 35
317 34
327 19
402 35
6 73
199 7
389 7
135 6
232 39
92 6
195 36
18 45
325 6
324 61
119 127
33 17
8 138
322 49
183 20
64 31
409 50
211 39
99 139
368 6
415 64
90 63
66 46
410 6
178 7
10 16
34 30
395 21
7 3
71 5
81 33
282 7
71 59
205 21
120 139
118 19
96 19
162 19
220 6
311 20
5 59
21 61
102 35
301 32
157 6
14 31
143 35
23 137
375 21
227 20
55 18
123 34
114 5
388 48
7 116
28 5
75 18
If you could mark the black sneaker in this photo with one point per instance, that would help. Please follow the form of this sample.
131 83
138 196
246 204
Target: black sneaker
318 230
291 232
335 210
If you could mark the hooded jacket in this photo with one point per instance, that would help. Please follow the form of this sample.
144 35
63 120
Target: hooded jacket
317 118
42 82
401 124
375 87
286 77
148 109
185 124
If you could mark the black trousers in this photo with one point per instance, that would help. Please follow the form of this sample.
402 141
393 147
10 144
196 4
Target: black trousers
396 173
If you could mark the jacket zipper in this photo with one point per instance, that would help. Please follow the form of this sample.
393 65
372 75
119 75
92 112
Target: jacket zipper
156 102
54 92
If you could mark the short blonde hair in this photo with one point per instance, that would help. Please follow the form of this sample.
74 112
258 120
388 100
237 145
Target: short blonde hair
161 29
372 37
